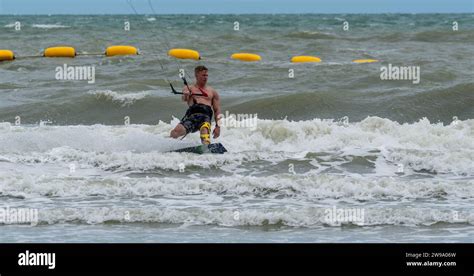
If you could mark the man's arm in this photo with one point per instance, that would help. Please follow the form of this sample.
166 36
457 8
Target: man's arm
216 105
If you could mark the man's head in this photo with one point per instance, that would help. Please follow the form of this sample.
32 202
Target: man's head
201 74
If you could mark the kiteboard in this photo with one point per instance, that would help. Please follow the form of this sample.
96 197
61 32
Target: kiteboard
201 149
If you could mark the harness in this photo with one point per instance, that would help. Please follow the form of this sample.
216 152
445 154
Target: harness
204 94
198 108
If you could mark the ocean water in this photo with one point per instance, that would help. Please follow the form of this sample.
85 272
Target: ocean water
335 154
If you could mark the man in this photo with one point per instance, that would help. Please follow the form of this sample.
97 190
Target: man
202 100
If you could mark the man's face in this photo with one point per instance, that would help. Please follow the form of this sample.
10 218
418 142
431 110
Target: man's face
202 76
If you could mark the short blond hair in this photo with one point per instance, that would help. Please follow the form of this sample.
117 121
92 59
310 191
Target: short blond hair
200 68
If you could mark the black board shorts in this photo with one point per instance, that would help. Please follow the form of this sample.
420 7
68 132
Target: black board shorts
196 115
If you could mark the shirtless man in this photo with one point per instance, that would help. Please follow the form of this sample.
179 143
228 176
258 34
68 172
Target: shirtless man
202 100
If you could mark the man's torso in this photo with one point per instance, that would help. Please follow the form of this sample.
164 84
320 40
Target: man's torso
201 99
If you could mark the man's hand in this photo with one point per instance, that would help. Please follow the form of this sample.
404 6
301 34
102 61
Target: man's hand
217 132
186 94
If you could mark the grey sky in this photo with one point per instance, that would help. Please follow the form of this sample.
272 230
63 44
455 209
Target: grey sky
233 6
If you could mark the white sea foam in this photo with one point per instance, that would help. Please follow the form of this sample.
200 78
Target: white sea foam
124 99
418 147
126 170
288 216
49 26
60 182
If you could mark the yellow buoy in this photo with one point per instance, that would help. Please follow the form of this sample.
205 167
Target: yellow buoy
364 60
246 57
301 59
121 50
60 51
6 55
184 54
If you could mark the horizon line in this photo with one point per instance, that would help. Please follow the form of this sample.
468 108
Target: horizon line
250 13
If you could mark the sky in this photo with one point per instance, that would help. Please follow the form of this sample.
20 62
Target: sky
234 6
